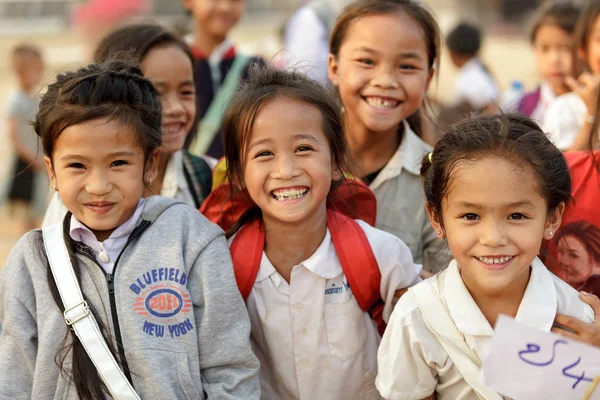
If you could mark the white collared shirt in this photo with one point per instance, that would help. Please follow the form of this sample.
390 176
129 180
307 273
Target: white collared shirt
115 242
475 85
174 185
412 362
214 62
547 97
564 119
401 203
311 337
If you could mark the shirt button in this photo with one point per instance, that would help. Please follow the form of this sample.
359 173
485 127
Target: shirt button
299 306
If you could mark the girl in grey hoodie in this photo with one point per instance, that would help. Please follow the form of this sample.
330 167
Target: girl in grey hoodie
156 274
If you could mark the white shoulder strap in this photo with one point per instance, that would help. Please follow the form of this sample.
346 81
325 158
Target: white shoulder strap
78 317
440 323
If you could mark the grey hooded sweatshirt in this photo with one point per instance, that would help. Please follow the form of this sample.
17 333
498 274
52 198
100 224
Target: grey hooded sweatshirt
173 303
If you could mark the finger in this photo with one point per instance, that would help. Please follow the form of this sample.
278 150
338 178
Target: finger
571 322
572 83
593 301
585 78
565 334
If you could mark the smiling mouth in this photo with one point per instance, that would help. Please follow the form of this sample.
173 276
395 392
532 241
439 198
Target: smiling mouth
100 207
495 260
382 103
289 193
172 129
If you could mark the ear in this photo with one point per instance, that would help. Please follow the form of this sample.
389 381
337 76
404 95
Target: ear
332 68
429 77
553 221
51 173
336 175
151 167
435 220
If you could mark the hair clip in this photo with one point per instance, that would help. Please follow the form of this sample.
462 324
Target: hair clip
430 158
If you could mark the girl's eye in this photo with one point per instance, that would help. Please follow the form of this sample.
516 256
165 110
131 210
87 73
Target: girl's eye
470 217
366 61
76 165
265 153
407 66
118 163
303 148
188 93
517 216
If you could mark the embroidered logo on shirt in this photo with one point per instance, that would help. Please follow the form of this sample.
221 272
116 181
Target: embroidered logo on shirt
164 302
335 289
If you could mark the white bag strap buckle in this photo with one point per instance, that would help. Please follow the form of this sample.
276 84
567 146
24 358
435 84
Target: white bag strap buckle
76 313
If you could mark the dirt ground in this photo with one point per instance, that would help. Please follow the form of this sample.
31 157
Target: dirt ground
508 58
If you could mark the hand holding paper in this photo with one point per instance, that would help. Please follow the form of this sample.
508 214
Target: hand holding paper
527 364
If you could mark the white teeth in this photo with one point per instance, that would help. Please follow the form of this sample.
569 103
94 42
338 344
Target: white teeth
289 194
500 260
378 102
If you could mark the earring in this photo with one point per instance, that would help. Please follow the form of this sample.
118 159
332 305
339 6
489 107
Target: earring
439 232
54 187
150 182
550 233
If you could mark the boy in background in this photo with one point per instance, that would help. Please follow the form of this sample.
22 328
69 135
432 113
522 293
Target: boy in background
218 71
27 194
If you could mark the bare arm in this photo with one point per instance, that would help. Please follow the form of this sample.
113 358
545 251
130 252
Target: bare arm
587 87
12 130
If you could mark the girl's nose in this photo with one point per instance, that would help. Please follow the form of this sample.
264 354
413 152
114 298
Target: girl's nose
386 78
172 106
98 184
285 167
493 235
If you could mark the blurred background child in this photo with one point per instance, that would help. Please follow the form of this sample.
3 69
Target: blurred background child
218 70
27 193
552 37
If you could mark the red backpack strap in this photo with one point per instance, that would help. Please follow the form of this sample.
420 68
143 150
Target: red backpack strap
359 264
246 252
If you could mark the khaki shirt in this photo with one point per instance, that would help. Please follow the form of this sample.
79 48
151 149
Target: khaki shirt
401 203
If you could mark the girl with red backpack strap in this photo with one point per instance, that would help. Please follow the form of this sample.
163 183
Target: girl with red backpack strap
306 268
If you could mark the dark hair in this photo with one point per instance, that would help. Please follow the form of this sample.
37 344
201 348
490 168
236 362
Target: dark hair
416 11
137 40
585 23
117 91
464 40
511 136
562 14
26 49
266 84
586 232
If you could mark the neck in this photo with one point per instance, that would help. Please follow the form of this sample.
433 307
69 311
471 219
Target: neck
502 302
370 150
287 245
206 43
560 90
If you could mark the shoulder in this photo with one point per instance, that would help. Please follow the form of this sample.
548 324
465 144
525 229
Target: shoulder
26 255
181 220
569 302
383 244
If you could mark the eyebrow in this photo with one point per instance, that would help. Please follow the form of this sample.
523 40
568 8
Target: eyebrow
516 204
407 54
306 136
111 155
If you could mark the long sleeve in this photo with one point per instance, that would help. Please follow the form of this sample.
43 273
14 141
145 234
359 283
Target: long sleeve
228 366
18 341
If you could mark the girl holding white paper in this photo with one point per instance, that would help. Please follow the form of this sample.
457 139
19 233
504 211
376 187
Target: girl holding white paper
495 188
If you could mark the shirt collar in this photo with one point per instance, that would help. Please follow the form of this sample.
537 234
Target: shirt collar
547 95
537 309
408 156
174 179
81 233
323 262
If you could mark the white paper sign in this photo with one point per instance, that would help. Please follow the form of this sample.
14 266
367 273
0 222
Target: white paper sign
527 364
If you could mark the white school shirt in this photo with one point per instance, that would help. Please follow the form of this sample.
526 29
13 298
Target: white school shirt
564 119
401 203
174 185
412 362
475 85
311 337
547 97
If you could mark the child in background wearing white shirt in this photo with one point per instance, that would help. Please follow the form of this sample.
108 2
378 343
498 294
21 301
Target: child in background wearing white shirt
552 38
495 187
475 85
569 118
285 148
